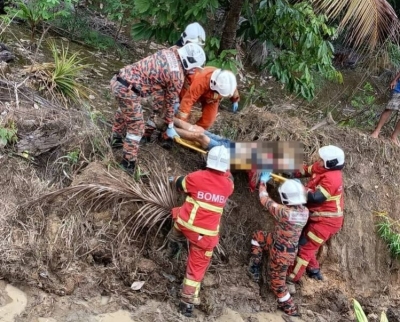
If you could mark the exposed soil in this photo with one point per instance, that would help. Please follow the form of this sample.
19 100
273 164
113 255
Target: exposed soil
74 263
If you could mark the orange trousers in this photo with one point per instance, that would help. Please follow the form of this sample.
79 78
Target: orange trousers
317 231
199 258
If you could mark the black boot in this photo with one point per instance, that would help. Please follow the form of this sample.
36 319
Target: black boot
186 309
289 307
116 141
149 129
254 268
315 273
128 166
173 249
165 141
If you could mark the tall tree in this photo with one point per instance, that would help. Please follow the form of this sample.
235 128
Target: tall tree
228 37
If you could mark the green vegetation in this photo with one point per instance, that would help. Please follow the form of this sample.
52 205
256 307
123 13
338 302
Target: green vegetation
62 74
360 315
388 230
8 133
38 11
365 108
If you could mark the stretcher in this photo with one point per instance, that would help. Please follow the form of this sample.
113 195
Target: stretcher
278 178
189 144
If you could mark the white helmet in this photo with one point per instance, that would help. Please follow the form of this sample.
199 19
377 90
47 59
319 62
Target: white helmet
192 56
292 192
194 33
218 158
224 82
332 156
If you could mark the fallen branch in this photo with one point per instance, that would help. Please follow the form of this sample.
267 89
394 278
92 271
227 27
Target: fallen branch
327 121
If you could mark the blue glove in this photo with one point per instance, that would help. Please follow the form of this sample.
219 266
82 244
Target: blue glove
235 107
171 132
265 176
176 107
171 179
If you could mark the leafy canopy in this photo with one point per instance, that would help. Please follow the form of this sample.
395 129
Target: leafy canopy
298 40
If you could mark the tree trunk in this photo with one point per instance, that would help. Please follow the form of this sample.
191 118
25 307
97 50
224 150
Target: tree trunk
229 32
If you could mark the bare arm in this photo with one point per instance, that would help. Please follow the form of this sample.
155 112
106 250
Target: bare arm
394 81
187 126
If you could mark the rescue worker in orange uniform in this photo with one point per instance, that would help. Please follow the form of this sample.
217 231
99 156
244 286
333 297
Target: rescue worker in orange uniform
161 75
207 86
198 219
282 243
325 202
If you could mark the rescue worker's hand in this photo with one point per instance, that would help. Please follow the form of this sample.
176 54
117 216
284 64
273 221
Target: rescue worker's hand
235 107
171 132
265 176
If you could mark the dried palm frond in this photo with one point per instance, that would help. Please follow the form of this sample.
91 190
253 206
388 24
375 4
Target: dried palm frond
365 22
153 200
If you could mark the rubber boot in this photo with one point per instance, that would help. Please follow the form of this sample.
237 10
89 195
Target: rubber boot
149 129
315 273
166 142
128 166
186 309
116 141
173 249
254 269
288 307
290 286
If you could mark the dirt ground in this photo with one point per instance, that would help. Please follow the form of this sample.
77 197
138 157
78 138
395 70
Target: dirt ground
74 264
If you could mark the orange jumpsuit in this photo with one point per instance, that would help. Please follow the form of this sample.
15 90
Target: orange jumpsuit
197 89
198 220
282 243
326 218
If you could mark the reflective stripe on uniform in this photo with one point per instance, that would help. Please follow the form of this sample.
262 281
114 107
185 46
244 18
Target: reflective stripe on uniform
326 214
315 237
331 198
196 229
208 253
193 214
205 205
299 263
134 137
184 184
194 284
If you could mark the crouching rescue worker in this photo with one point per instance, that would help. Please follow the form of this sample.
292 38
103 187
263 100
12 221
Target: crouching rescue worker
198 219
207 86
161 75
325 202
282 243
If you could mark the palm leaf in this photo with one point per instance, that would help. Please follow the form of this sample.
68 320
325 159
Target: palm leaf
366 23
152 202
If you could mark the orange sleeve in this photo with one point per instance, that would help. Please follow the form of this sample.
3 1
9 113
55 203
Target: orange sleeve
235 97
199 86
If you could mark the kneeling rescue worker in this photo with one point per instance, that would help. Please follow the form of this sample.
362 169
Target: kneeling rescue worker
161 75
207 86
198 219
282 243
325 202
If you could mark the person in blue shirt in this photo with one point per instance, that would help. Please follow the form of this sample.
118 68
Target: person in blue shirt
392 105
